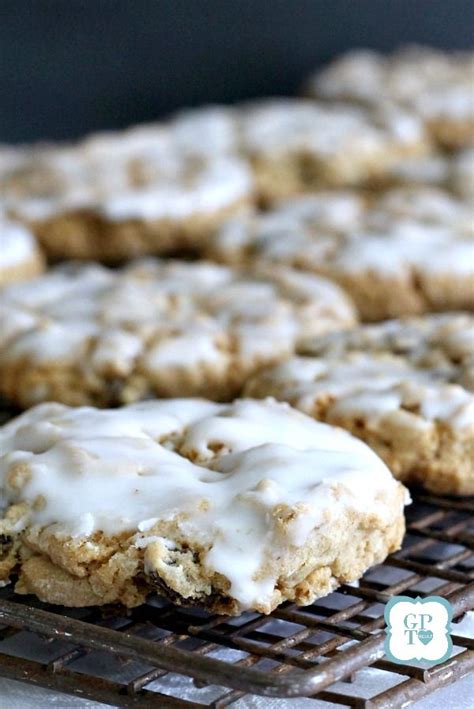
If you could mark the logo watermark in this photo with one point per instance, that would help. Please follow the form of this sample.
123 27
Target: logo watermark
418 629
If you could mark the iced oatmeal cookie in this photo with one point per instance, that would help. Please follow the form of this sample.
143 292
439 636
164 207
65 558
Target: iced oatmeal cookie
443 341
404 387
406 252
297 146
436 86
225 506
84 334
153 189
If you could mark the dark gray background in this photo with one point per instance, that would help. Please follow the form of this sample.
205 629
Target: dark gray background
71 66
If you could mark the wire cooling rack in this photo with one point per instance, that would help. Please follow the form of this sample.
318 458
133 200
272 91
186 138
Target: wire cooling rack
158 655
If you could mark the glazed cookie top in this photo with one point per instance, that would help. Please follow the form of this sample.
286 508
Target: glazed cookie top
170 170
372 385
164 314
240 480
139 173
454 172
285 231
425 204
197 162
444 342
442 338
423 366
426 230
286 125
201 133
191 189
430 80
425 170
207 132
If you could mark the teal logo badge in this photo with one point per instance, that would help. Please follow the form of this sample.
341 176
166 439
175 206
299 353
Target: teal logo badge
418 629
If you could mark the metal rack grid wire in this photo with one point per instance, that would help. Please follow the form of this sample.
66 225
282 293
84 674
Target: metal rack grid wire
141 657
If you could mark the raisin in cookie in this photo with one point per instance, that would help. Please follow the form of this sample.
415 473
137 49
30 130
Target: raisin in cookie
435 85
20 257
406 252
84 334
227 507
404 387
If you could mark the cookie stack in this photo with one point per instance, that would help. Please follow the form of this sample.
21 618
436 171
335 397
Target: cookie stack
238 286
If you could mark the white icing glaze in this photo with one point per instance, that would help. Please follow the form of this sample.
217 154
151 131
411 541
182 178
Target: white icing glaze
450 102
432 82
157 171
422 170
271 456
372 385
191 348
159 314
196 163
219 184
285 125
424 204
443 343
358 74
17 244
208 131
121 147
338 211
424 230
444 338
431 251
